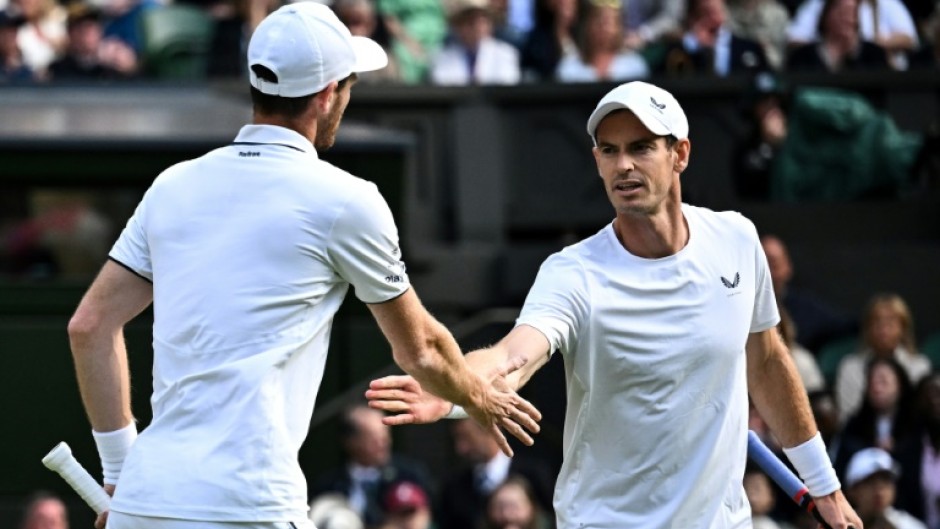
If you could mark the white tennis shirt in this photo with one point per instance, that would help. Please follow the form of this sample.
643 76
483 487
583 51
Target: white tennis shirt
251 249
656 426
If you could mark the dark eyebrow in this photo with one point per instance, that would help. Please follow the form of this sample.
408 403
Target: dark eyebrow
644 141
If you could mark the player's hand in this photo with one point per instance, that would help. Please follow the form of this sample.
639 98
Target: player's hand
403 397
102 519
837 512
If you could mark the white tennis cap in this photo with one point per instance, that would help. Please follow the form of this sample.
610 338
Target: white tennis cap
868 462
656 108
307 48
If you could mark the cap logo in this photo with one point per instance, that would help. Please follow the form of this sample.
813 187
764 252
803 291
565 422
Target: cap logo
659 106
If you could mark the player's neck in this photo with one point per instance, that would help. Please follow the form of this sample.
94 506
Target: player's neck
654 236
302 125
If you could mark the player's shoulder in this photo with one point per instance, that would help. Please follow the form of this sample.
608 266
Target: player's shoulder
576 254
727 222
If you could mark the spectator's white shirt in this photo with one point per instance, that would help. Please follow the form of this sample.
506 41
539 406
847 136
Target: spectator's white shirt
654 350
903 520
626 65
251 249
497 62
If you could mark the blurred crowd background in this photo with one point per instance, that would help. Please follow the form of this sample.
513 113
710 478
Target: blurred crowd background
870 369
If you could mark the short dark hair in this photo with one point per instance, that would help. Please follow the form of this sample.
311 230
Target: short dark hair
671 141
288 107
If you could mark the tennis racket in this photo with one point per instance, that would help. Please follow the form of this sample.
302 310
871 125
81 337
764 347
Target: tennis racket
61 461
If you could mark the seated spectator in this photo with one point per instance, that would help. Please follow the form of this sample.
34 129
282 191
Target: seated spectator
370 467
763 21
552 38
42 36
512 505
417 29
761 496
826 413
362 20
406 506
45 511
871 488
886 23
601 55
647 21
474 56
88 56
13 68
123 22
462 503
805 362
765 111
839 47
887 332
507 24
708 46
919 486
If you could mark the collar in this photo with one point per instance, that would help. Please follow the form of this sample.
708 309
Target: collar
274 135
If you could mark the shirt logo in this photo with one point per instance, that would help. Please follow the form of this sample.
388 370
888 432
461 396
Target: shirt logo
731 284
249 154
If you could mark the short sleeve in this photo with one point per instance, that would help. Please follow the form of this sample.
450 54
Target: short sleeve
363 248
766 314
131 249
557 304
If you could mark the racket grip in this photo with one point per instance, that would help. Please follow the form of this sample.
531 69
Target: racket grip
61 461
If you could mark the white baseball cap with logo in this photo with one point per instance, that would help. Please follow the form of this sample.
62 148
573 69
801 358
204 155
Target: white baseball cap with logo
307 48
656 108
868 462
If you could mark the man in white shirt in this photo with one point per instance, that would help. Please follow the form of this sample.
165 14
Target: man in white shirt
871 485
665 320
246 254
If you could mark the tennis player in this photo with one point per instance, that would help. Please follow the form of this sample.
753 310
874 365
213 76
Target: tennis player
246 254
665 319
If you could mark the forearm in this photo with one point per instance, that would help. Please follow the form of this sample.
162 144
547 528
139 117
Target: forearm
780 398
103 377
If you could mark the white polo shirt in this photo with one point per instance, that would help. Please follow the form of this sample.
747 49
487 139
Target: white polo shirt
656 426
251 249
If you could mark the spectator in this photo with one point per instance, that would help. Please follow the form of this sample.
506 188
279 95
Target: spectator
760 494
601 55
887 332
12 67
370 467
474 56
506 28
839 46
42 36
805 362
123 22
928 55
552 38
871 488
763 21
765 111
332 511
828 420
647 21
462 503
815 321
362 20
45 511
406 507
886 23
417 29
87 55
708 46
512 505
919 486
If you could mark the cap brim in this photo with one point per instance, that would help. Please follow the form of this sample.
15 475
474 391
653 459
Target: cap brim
369 55
601 112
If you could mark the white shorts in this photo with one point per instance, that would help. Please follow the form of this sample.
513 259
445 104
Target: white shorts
118 520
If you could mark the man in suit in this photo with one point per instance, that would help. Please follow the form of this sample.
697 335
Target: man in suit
707 45
473 55
462 502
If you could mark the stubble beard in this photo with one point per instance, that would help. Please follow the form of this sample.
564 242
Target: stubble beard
327 127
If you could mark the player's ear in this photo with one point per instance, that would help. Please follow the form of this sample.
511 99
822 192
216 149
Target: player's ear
597 160
323 100
683 149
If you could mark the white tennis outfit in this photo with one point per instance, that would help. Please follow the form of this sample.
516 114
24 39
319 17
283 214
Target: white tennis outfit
656 425
251 249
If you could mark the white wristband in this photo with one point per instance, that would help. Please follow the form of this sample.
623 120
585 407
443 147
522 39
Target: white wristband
113 448
814 466
456 412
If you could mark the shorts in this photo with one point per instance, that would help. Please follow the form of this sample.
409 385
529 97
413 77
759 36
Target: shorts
118 520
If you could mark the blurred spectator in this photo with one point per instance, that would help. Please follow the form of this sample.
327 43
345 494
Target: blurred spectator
87 55
406 507
370 467
839 46
887 332
12 67
332 511
805 362
919 486
928 55
505 27
760 494
45 511
417 29
601 55
815 321
886 23
870 483
552 38
42 36
764 107
826 414
708 46
474 56
647 21
512 505
462 503
122 22
763 21
362 20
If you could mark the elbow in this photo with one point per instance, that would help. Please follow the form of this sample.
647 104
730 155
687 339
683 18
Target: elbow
82 328
418 357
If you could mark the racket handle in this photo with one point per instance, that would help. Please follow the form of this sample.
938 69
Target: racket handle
61 461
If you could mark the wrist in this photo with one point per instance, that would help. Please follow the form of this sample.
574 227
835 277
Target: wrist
813 465
113 448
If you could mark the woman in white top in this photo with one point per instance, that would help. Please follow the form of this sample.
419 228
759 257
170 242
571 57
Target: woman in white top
601 55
